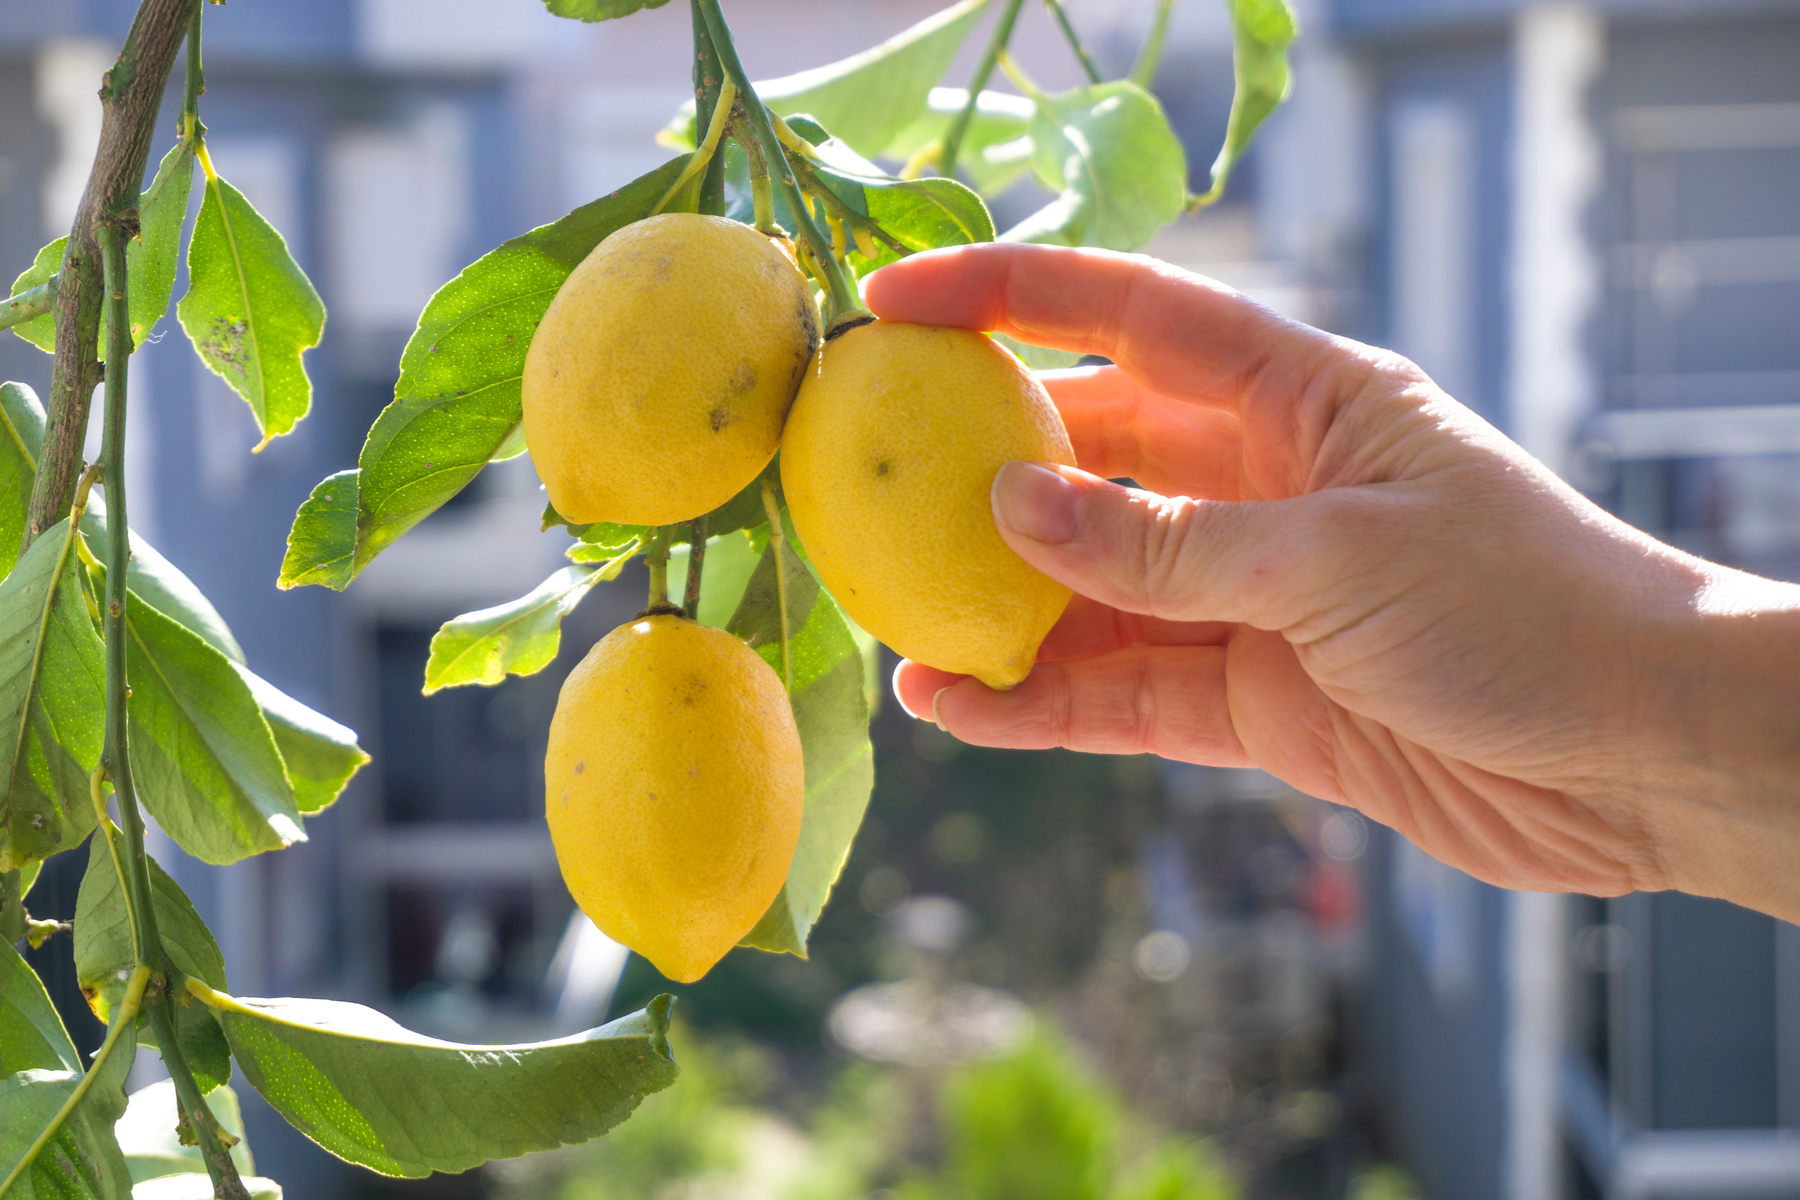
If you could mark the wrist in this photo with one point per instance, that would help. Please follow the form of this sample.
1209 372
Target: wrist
1725 770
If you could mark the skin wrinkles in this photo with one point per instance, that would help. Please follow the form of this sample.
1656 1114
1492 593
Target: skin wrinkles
1435 628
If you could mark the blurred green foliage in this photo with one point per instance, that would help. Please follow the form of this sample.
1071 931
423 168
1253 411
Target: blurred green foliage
1036 1124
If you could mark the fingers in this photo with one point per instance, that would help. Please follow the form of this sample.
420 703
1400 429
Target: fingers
1171 558
1089 628
1176 333
1168 702
1119 428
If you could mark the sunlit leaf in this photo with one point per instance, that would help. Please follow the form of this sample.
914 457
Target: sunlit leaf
996 147
161 584
1261 31
379 1095
319 753
153 1150
32 1037
833 718
199 1187
520 637
599 10
82 1161
52 697
730 561
204 759
1038 358
21 441
41 331
920 214
868 98
150 258
457 402
1117 164
322 543
250 310
104 955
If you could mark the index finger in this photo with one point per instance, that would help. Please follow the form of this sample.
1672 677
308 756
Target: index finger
1178 333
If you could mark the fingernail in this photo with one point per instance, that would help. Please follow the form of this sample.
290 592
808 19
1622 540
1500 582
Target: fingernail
1036 502
937 717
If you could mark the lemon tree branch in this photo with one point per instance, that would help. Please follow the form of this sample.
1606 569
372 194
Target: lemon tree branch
983 70
129 96
840 295
117 758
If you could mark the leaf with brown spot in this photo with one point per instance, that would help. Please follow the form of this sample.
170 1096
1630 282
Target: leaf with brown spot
250 310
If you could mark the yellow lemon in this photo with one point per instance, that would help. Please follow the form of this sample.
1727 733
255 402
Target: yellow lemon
655 387
888 456
673 784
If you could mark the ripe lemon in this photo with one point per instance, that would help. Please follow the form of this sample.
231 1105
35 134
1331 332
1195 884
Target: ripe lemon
655 387
888 456
673 784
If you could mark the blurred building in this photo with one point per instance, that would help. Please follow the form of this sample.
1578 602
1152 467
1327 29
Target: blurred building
1584 221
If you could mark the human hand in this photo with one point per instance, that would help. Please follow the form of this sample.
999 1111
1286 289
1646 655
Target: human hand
1337 573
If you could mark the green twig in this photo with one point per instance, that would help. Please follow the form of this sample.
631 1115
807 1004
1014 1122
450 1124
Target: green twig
777 540
1074 39
696 561
840 297
130 97
656 557
983 70
194 83
150 952
1143 71
709 84
31 303
702 157
123 1018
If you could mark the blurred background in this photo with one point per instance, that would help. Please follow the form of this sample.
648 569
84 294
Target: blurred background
1042 975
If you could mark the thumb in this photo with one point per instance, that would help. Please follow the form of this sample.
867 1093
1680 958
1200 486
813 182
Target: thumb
1162 556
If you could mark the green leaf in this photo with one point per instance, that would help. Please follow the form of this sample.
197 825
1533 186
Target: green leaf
320 754
869 98
41 331
520 637
730 561
205 761
832 714
153 1150
104 955
921 214
322 542
599 10
21 441
742 511
83 1159
996 147
457 402
52 697
1261 31
250 310
1038 358
150 257
32 1037
1119 167
391 1100
199 1187
161 584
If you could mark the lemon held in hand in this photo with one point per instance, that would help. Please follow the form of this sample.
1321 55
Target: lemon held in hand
656 385
887 460
673 784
